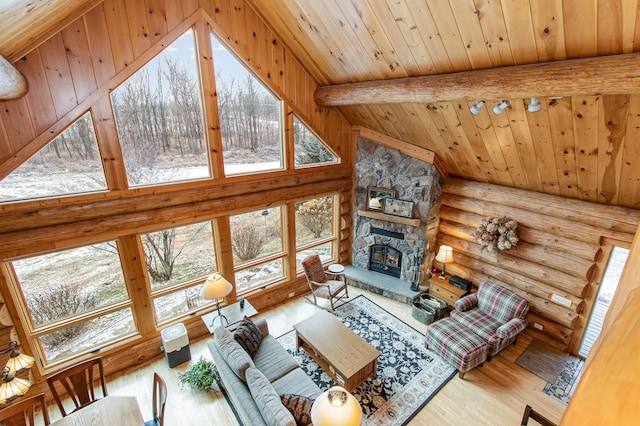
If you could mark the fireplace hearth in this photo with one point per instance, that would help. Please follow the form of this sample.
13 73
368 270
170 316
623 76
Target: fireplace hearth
386 260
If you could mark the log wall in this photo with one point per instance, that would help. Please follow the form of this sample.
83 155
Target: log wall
73 70
564 248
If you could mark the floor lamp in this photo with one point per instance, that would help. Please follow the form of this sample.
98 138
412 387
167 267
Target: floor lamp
215 288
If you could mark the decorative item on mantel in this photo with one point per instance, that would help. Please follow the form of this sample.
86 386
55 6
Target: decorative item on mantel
497 234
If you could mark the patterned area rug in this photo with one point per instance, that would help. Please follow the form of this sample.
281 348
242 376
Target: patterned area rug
408 374
564 386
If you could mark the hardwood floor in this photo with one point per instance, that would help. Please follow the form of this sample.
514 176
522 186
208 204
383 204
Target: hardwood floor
495 394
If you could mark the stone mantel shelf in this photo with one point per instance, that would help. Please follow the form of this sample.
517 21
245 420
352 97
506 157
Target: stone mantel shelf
389 217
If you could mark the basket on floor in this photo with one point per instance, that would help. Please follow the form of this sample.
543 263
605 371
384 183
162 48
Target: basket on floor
423 313
438 305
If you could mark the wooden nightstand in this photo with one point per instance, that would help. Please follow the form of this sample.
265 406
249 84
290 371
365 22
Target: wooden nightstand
445 291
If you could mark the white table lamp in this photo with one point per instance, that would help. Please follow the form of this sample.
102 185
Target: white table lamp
215 288
336 407
444 256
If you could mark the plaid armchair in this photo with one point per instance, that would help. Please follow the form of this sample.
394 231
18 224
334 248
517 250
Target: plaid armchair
494 313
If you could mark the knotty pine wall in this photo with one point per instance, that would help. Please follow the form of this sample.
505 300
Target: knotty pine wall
564 248
74 69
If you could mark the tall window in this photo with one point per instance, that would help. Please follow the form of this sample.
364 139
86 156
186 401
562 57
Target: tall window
159 119
178 260
309 150
69 164
258 249
315 229
76 298
250 117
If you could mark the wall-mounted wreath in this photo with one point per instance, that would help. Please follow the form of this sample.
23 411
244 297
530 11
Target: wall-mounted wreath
497 234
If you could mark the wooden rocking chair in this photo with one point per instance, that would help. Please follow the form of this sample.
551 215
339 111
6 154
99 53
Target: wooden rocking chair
319 284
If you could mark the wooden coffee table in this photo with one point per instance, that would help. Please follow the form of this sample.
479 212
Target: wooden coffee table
344 355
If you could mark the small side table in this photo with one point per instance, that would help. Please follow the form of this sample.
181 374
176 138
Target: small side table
233 313
445 291
337 270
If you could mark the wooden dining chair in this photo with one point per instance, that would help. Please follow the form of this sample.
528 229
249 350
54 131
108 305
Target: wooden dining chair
159 401
78 382
23 413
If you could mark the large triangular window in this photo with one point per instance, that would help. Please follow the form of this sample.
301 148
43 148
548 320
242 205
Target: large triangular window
250 117
308 149
159 118
69 164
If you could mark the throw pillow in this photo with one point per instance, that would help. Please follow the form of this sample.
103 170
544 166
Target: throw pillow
236 357
299 406
268 400
248 336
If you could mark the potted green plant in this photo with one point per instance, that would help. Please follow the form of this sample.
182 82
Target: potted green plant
202 375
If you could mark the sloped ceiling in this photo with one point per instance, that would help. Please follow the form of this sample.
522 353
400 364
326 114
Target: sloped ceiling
584 146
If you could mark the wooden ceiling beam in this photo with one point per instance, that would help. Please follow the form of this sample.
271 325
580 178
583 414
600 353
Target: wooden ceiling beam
616 74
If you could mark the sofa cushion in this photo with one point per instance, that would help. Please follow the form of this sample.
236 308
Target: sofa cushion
477 321
297 381
248 336
234 355
273 360
267 399
299 406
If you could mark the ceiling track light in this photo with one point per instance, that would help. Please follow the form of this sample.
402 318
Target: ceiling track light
499 108
534 105
475 108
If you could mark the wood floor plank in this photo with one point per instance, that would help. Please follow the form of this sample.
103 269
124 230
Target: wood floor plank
494 394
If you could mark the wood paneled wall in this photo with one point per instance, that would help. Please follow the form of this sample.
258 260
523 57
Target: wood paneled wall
75 68
563 249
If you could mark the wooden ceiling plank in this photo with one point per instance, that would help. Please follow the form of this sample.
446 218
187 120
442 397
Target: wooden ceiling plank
464 12
495 32
629 193
244 26
548 29
375 42
173 13
39 101
439 145
585 133
448 30
5 145
138 27
611 134
507 144
21 130
580 21
76 47
56 67
446 142
524 144
615 74
432 39
519 24
477 147
486 130
408 29
463 150
100 48
157 16
543 146
121 47
560 120
630 9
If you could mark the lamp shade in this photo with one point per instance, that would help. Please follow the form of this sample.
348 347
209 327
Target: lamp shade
336 407
19 362
215 287
445 254
12 387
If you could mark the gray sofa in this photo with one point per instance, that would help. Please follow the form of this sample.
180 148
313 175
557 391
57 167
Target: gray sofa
273 361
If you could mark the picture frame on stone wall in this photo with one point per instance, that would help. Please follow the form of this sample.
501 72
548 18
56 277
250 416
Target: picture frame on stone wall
403 208
376 197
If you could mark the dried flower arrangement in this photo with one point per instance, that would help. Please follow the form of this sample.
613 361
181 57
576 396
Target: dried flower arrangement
497 233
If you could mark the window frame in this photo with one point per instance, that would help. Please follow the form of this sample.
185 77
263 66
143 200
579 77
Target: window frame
335 221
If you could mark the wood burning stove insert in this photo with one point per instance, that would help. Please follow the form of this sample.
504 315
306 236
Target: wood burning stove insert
386 260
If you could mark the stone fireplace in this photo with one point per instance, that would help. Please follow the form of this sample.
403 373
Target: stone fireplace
382 243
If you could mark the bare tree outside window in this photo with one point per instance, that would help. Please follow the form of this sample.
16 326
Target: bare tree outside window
309 150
